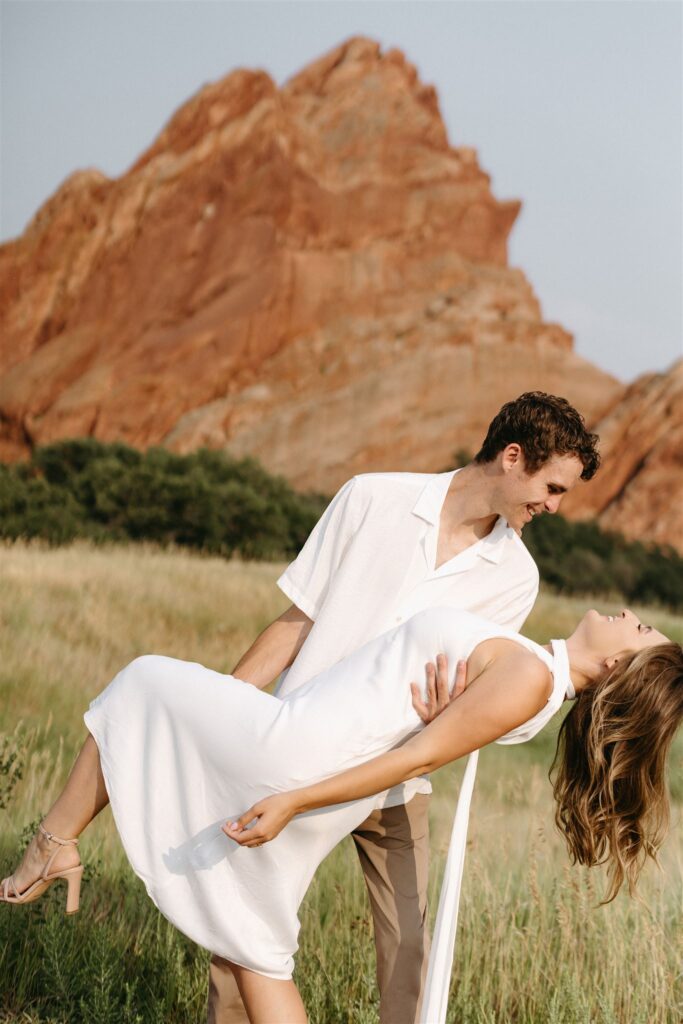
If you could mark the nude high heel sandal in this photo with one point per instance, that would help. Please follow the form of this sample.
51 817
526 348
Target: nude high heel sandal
72 876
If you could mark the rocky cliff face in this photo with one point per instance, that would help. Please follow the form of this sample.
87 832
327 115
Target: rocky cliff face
639 489
310 274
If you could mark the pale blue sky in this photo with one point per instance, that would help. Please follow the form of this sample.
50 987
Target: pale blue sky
574 106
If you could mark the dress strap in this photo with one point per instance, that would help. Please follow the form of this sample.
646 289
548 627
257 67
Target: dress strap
561 669
435 1000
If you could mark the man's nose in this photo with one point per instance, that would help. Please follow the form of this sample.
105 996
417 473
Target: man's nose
552 503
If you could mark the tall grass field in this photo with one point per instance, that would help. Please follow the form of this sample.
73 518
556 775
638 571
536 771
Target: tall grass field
534 945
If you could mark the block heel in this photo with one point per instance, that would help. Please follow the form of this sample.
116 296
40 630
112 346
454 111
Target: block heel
72 876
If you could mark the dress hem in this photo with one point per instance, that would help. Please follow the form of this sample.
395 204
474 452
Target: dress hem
118 817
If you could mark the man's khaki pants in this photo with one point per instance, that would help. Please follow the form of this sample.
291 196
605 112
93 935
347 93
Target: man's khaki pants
393 846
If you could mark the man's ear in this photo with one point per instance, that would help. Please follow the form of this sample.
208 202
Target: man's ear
511 456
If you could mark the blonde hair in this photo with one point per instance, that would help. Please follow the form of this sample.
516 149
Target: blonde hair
610 784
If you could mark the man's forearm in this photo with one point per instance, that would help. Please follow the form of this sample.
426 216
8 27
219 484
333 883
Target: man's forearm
274 649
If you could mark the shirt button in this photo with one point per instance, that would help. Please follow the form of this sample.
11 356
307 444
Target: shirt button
399 618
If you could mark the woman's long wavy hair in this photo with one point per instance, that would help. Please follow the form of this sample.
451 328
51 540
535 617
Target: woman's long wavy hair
610 764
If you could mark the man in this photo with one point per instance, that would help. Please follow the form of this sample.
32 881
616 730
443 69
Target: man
390 545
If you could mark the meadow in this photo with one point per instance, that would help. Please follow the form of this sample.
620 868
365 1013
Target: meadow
534 945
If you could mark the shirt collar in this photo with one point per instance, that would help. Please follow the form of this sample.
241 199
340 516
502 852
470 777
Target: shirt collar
493 544
428 507
431 498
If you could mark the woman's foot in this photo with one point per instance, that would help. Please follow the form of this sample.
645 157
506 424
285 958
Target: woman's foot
36 856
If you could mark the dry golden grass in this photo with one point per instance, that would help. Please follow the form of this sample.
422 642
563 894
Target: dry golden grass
532 946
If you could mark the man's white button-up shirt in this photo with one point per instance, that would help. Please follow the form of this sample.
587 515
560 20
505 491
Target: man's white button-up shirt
370 563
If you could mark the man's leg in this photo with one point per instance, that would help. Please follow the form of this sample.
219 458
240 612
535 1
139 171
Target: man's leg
393 846
225 1001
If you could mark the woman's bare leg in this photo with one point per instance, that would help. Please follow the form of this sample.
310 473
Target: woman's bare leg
268 1001
83 797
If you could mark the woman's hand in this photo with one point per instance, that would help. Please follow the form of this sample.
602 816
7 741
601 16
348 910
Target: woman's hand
269 815
438 693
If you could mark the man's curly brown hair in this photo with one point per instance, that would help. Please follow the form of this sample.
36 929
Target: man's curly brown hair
542 425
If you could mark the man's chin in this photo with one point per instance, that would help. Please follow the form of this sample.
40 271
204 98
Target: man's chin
516 523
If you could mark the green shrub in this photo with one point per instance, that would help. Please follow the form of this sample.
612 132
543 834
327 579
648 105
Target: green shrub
30 506
579 558
206 500
215 503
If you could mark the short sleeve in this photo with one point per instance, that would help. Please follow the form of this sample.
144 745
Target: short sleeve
526 603
306 580
522 600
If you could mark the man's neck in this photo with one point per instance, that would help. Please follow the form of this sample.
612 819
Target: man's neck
466 514
468 502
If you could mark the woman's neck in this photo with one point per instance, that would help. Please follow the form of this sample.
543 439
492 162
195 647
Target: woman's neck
581 666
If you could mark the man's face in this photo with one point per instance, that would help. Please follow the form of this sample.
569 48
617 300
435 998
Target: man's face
524 495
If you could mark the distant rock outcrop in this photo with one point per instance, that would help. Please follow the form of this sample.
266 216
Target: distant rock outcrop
639 489
309 274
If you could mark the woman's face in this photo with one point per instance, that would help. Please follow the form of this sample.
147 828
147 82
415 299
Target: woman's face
607 636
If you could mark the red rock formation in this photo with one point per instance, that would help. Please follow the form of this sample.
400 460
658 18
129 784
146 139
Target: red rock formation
639 489
309 274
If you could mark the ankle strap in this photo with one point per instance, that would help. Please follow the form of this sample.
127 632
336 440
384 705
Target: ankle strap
56 839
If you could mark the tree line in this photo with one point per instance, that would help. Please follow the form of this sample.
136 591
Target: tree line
212 502
111 492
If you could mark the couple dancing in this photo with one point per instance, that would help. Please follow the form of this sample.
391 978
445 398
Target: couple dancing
227 798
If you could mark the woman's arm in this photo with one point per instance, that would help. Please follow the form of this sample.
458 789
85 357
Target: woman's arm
507 693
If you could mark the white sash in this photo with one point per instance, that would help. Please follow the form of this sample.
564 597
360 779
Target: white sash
435 1000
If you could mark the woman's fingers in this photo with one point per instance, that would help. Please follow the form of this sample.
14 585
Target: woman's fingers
246 818
262 822
238 830
245 836
253 842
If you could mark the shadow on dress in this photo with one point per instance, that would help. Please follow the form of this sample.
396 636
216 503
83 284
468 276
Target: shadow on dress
202 851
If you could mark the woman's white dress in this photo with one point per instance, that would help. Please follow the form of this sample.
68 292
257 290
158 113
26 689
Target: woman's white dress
184 749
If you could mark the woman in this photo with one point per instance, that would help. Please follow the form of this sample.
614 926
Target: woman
178 748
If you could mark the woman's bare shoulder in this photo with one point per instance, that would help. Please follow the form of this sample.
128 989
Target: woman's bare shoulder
510 656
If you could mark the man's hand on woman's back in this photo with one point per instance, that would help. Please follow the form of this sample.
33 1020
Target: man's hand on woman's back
438 692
